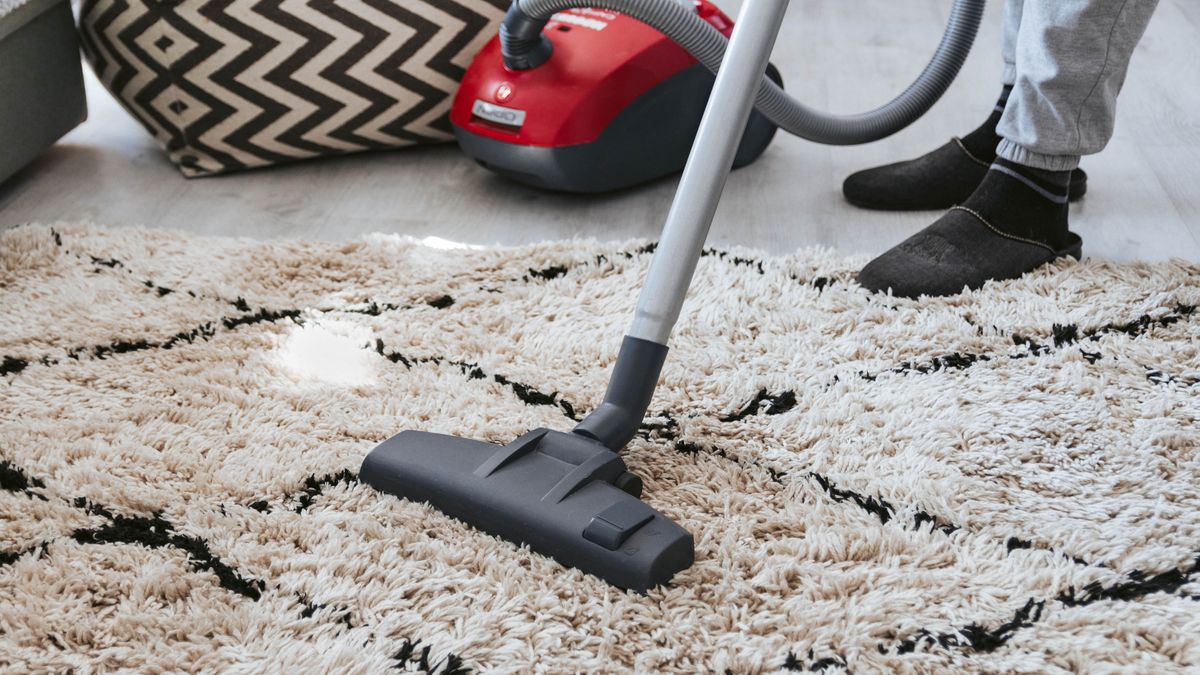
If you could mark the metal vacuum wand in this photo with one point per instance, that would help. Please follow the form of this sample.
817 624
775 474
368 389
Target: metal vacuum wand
645 346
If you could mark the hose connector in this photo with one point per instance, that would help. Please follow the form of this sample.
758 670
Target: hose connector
521 41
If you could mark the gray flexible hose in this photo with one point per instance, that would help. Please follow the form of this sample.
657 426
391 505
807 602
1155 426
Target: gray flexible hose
678 22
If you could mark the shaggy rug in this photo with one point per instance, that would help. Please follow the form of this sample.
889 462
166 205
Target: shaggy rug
1007 480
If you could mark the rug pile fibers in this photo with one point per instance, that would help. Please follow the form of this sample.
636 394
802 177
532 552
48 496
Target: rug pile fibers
1003 481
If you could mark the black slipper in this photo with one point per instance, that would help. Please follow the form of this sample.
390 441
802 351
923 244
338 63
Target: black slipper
960 250
1015 221
934 181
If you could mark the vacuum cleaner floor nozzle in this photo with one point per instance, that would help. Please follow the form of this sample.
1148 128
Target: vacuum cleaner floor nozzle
565 495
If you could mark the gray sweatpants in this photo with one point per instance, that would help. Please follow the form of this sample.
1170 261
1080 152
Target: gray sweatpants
1066 61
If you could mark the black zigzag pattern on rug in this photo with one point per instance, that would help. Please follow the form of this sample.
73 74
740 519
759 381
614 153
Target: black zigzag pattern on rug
226 85
152 531
766 403
156 532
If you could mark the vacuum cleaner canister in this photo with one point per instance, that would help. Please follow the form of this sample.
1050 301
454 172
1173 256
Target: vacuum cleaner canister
616 103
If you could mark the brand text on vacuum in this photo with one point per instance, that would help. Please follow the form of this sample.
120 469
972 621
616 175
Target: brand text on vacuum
509 117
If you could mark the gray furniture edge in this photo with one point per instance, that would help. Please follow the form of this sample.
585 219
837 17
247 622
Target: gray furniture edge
41 81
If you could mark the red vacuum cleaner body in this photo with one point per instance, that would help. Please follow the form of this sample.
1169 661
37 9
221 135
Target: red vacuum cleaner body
616 104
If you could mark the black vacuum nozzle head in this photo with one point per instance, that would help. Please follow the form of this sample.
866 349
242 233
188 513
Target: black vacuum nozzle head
557 492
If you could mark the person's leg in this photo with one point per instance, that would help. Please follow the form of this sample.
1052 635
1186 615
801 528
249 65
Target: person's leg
980 144
948 175
1071 58
1008 47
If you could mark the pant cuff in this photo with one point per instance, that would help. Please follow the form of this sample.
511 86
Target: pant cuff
1009 76
1015 153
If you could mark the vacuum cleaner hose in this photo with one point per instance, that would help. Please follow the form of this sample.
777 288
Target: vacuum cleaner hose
524 47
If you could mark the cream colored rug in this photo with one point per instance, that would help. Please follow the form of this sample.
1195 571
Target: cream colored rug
1008 480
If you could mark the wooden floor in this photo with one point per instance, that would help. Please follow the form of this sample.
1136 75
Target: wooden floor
1143 202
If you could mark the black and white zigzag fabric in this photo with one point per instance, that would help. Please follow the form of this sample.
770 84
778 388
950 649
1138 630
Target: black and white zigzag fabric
234 84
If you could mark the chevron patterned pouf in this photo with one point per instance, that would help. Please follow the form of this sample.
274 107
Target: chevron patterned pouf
235 84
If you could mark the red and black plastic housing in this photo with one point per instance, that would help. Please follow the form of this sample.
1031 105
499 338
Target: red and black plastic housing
617 103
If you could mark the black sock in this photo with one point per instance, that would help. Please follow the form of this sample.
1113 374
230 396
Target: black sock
982 141
1024 202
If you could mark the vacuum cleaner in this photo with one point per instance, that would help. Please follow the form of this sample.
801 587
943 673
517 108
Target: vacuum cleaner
611 103
568 494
